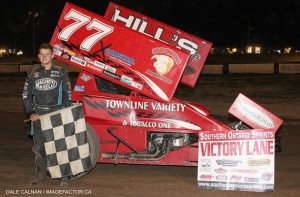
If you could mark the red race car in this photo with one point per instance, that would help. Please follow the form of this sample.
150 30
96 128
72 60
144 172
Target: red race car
137 129
147 125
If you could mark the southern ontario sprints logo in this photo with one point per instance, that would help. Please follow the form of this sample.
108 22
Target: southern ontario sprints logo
45 84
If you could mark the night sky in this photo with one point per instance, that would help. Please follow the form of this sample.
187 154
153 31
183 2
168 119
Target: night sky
271 23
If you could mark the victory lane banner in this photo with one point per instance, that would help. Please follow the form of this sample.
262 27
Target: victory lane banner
241 160
66 144
197 47
123 56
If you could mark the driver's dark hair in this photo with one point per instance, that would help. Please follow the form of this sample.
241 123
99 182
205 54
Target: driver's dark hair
46 46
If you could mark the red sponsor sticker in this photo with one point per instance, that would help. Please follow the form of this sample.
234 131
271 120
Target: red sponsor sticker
221 170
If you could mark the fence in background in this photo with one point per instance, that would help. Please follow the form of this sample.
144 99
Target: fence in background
277 68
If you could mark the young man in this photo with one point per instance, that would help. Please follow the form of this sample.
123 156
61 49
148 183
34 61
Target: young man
47 89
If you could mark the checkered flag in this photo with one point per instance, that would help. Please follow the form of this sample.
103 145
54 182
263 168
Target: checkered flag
66 143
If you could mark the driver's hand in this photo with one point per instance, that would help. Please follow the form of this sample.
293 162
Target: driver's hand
34 117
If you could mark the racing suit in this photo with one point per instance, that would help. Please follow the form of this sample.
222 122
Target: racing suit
45 91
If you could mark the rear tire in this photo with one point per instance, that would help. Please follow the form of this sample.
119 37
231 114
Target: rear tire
94 150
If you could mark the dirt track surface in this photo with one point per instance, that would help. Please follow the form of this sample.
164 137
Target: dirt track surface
280 94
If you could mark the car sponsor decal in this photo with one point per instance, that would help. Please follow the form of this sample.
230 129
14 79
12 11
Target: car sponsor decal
198 48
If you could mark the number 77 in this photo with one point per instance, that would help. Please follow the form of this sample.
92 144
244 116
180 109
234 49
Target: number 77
81 20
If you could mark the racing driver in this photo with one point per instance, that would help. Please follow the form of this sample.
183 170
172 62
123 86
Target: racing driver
47 89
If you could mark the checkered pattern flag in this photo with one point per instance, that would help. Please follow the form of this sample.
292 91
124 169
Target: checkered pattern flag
66 143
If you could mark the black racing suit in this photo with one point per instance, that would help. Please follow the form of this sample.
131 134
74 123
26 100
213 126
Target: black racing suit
45 91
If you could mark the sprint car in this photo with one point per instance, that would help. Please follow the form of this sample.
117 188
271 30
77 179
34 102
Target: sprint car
127 127
126 88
